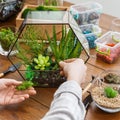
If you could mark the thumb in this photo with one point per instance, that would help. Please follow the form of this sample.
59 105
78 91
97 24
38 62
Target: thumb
12 82
62 64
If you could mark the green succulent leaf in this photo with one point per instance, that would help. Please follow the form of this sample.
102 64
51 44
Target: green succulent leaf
110 92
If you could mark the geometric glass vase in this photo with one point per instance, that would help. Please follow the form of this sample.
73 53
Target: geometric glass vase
44 39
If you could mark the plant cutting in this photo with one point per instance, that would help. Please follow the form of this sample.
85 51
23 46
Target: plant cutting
25 85
42 57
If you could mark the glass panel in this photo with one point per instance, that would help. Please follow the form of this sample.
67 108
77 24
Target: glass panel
47 17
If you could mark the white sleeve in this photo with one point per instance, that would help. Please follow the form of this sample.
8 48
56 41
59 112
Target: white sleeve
67 103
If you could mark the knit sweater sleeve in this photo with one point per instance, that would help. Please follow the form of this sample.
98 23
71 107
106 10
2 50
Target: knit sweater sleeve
67 103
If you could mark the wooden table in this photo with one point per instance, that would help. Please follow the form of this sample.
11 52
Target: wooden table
36 107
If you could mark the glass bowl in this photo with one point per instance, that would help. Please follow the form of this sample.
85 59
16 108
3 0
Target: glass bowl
8 35
106 91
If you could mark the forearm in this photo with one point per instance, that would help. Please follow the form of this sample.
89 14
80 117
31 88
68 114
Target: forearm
67 104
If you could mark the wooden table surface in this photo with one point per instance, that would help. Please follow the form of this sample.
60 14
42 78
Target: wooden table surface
36 107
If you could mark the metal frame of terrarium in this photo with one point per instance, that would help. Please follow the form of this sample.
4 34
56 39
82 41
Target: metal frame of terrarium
46 18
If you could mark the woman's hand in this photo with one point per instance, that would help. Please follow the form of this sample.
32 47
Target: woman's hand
74 69
9 94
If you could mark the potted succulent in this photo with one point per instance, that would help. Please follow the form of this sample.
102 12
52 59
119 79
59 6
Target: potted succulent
7 37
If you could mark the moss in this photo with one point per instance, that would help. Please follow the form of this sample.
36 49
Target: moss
25 85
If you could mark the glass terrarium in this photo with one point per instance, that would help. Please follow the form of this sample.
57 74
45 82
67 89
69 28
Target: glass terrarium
44 39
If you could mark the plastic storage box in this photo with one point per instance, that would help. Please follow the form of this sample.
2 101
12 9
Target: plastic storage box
91 32
86 13
108 47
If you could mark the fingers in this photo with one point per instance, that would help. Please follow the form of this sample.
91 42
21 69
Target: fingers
69 63
13 82
62 64
70 60
17 100
11 98
62 73
30 91
20 96
79 60
73 60
8 82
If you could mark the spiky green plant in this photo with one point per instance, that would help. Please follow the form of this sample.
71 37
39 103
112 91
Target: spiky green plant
68 47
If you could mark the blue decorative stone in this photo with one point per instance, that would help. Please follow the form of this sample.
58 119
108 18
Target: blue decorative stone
91 38
86 31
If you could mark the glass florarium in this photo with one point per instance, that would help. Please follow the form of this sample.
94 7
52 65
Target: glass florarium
44 39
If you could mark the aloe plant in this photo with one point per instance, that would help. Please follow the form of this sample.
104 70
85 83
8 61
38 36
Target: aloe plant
41 56
69 46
